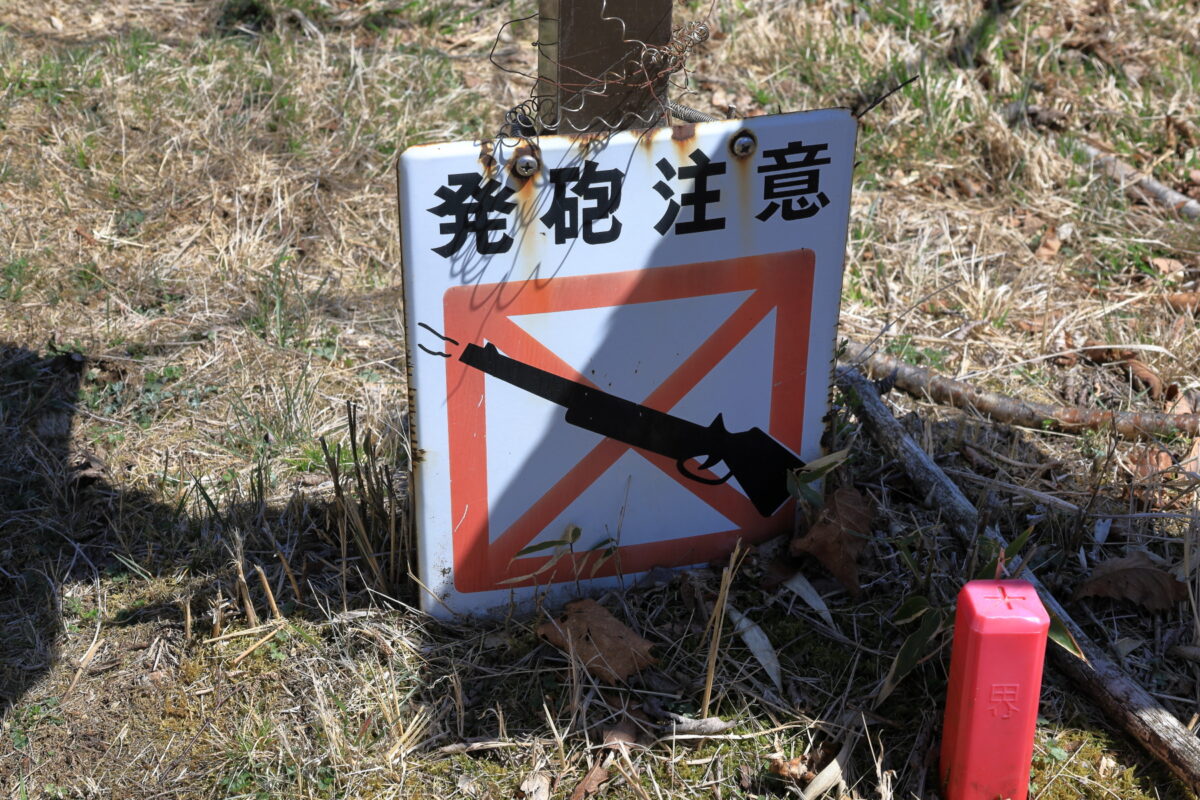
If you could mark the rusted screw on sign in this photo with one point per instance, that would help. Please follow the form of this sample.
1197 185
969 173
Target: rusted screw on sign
525 165
743 144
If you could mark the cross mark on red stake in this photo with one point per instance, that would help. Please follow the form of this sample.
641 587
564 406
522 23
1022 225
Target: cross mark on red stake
1005 597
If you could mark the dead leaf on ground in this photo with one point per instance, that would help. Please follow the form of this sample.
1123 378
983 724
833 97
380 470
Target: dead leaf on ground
1183 403
1143 375
1191 461
1048 248
792 769
839 535
1152 465
536 786
592 782
605 646
756 639
1135 578
1167 266
1184 302
623 733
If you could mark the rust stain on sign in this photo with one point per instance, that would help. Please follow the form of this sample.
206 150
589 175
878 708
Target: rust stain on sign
684 138
530 236
486 159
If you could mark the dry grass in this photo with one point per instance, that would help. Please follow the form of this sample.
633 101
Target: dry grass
197 199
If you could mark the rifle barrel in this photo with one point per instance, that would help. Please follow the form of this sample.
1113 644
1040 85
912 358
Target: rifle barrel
594 409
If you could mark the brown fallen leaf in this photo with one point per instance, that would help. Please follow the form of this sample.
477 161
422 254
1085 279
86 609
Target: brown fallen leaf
792 769
1135 578
1152 465
1143 375
1183 403
86 235
1184 302
1167 266
1048 248
592 782
605 646
839 535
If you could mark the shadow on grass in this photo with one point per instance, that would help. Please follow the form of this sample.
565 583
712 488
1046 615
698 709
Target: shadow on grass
64 522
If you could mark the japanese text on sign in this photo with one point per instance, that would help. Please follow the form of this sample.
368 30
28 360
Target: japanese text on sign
584 201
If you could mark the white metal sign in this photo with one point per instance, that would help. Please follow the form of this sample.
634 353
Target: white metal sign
620 345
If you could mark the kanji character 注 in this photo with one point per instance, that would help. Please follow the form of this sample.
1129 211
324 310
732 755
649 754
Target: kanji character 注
699 198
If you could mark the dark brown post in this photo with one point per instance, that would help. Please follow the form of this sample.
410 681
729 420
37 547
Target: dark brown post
590 74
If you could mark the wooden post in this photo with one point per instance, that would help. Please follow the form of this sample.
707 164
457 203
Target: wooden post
590 75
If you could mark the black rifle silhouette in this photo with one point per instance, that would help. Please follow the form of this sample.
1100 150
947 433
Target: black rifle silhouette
759 463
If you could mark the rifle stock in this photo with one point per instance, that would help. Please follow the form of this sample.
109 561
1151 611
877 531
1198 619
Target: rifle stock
761 465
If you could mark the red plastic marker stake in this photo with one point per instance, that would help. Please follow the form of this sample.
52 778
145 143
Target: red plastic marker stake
995 683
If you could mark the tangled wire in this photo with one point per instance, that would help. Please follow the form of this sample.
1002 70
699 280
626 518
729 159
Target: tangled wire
645 67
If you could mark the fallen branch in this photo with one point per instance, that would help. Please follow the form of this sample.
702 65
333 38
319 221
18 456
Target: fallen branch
1129 177
923 383
1139 714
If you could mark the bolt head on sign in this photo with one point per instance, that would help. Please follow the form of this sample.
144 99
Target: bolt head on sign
620 345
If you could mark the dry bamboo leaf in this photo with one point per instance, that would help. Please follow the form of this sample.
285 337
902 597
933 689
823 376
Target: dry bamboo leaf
839 535
592 782
809 594
1135 578
605 646
756 639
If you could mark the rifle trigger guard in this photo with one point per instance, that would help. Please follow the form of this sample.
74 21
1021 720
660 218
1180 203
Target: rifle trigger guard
681 465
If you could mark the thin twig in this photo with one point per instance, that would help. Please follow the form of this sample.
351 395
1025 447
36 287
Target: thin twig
924 384
1128 177
245 653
